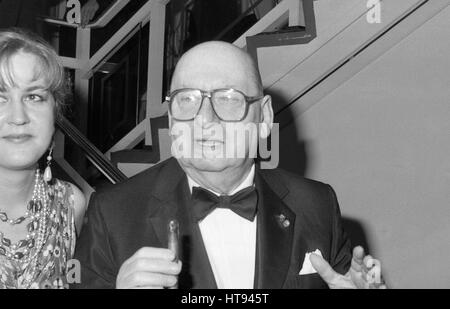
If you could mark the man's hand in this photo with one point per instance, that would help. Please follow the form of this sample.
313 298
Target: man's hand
149 268
364 273
88 12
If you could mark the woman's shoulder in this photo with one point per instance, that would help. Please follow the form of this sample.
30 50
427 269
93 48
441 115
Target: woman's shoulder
75 198
71 193
67 189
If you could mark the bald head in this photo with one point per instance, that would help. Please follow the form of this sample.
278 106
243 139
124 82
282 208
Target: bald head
217 64
219 152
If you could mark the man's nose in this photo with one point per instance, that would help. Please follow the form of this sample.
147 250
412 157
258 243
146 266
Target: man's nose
206 113
18 114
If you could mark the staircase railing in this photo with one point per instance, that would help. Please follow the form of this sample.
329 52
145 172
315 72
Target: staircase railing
95 156
237 20
287 12
100 22
347 41
152 12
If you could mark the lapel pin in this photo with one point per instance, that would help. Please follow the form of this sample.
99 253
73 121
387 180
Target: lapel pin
283 221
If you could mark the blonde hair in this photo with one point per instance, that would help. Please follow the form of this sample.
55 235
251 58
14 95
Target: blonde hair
14 41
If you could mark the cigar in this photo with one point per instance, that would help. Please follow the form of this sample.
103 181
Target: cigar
173 239
173 236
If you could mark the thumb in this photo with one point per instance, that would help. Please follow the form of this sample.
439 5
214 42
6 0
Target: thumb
323 268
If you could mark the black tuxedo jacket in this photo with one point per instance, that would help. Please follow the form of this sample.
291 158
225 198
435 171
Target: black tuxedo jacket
134 214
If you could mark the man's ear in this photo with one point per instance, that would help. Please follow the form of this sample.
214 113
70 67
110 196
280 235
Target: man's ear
267 117
170 123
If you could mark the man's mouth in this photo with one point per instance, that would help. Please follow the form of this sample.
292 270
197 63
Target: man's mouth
18 138
209 143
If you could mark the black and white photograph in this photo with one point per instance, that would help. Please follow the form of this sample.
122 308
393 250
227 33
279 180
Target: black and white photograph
242 146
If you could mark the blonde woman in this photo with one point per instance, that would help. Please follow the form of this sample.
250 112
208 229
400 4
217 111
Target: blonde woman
38 214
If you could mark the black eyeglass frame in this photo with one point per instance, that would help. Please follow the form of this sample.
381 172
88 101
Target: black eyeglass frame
208 94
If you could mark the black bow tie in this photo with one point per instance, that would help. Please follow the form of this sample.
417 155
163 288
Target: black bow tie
242 203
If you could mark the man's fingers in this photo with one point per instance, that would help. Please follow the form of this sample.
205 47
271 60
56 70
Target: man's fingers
358 254
155 253
155 280
368 261
357 259
155 266
149 266
323 268
358 267
150 253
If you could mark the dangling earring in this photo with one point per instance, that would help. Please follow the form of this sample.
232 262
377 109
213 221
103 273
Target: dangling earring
48 170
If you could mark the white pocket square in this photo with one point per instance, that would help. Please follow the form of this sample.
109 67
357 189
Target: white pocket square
307 267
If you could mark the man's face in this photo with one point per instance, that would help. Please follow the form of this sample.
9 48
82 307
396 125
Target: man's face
215 145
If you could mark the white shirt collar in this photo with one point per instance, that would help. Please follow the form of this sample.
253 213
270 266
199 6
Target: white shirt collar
248 182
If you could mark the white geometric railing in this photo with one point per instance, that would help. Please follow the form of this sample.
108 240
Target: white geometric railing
347 41
152 12
101 22
287 11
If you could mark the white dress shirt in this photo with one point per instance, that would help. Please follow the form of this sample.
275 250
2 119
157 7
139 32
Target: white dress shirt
230 243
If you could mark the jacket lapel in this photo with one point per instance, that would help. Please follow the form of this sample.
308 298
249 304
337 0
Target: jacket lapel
174 199
275 231
163 205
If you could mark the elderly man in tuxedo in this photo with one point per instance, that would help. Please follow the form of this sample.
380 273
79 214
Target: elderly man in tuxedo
240 226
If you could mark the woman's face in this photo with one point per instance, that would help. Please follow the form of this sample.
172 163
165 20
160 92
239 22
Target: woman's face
26 115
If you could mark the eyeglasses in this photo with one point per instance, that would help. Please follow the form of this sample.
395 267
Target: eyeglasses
229 104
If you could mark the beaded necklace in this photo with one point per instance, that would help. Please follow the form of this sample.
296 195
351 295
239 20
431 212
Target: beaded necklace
37 210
